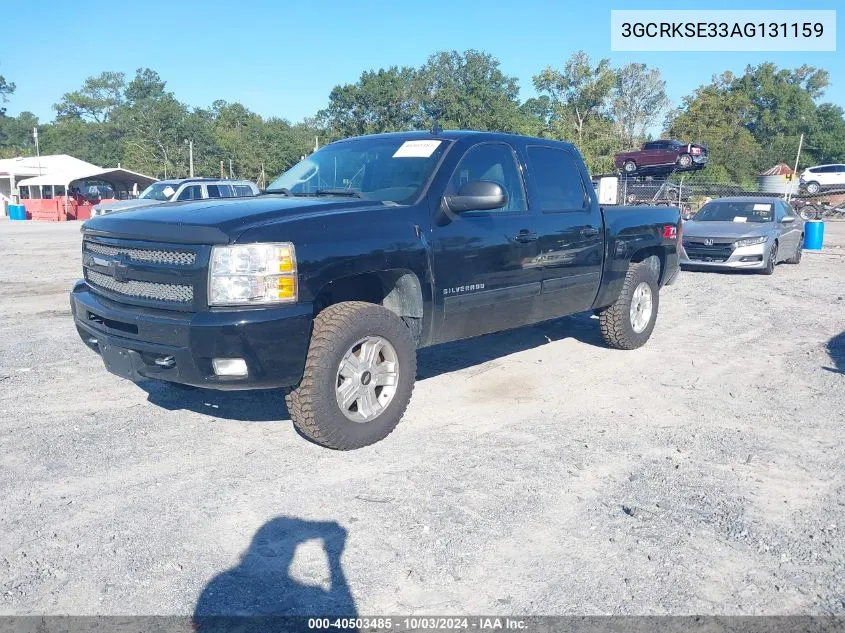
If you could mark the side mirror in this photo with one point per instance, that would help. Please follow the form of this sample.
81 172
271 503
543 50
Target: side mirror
787 219
479 195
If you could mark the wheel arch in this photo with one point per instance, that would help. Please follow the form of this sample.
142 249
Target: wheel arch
397 289
656 258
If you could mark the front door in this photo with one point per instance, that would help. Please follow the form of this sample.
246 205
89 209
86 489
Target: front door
479 257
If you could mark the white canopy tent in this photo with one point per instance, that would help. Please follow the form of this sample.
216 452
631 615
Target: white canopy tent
13 170
58 183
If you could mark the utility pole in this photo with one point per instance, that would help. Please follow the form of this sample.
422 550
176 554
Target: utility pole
221 169
37 149
230 169
795 171
191 157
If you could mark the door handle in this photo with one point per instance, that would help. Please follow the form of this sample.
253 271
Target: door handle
588 231
524 237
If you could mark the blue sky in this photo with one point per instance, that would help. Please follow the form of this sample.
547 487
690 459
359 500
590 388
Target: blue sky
282 59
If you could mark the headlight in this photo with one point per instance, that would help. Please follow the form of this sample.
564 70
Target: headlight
252 274
750 241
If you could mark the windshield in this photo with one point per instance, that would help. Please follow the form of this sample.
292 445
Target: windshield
744 211
162 191
373 168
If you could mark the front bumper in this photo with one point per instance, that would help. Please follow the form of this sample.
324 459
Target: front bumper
273 341
745 257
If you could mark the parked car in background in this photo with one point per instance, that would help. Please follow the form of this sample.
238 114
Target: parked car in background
662 155
743 232
179 190
821 177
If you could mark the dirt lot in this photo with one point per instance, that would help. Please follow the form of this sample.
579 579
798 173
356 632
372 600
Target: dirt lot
536 472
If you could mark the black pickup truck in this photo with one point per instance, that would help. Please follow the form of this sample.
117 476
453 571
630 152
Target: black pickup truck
366 250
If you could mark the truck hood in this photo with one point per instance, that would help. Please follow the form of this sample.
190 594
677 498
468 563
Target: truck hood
733 230
217 222
125 205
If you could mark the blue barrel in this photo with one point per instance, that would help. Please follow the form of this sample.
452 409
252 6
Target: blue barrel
17 212
813 235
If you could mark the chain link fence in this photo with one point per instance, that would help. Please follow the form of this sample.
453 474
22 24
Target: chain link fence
678 191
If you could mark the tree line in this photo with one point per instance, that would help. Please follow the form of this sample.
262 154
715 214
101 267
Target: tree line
749 122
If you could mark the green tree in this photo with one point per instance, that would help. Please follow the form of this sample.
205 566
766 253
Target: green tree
578 94
154 134
638 101
96 100
147 84
7 88
468 91
380 101
826 138
16 135
717 116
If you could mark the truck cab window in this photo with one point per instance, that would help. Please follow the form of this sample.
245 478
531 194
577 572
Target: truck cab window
558 180
495 162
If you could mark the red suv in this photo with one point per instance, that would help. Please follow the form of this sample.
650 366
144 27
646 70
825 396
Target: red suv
662 156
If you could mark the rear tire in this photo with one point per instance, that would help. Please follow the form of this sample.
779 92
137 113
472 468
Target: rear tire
624 325
796 259
629 166
339 330
809 212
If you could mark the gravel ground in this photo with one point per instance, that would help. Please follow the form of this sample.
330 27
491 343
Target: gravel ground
535 472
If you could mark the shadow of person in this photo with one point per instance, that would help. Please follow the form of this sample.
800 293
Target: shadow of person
259 594
836 351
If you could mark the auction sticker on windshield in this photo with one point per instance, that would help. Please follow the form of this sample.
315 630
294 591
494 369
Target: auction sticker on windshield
762 207
740 218
416 149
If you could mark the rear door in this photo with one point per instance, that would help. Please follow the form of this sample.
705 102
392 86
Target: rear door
571 241
479 257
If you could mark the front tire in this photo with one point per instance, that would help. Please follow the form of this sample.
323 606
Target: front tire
772 261
629 321
358 378
813 187
684 161
796 259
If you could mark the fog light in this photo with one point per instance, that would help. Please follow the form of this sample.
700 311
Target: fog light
229 366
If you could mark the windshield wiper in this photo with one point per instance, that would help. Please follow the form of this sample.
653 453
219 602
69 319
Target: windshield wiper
339 191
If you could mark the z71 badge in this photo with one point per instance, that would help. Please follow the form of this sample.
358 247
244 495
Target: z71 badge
459 289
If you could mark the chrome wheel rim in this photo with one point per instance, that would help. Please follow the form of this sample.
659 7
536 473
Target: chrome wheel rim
641 307
367 378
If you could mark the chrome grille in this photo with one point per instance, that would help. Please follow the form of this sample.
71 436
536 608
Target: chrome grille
155 256
176 293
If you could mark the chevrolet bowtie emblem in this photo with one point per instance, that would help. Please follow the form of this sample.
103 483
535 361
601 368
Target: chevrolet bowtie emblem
118 270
